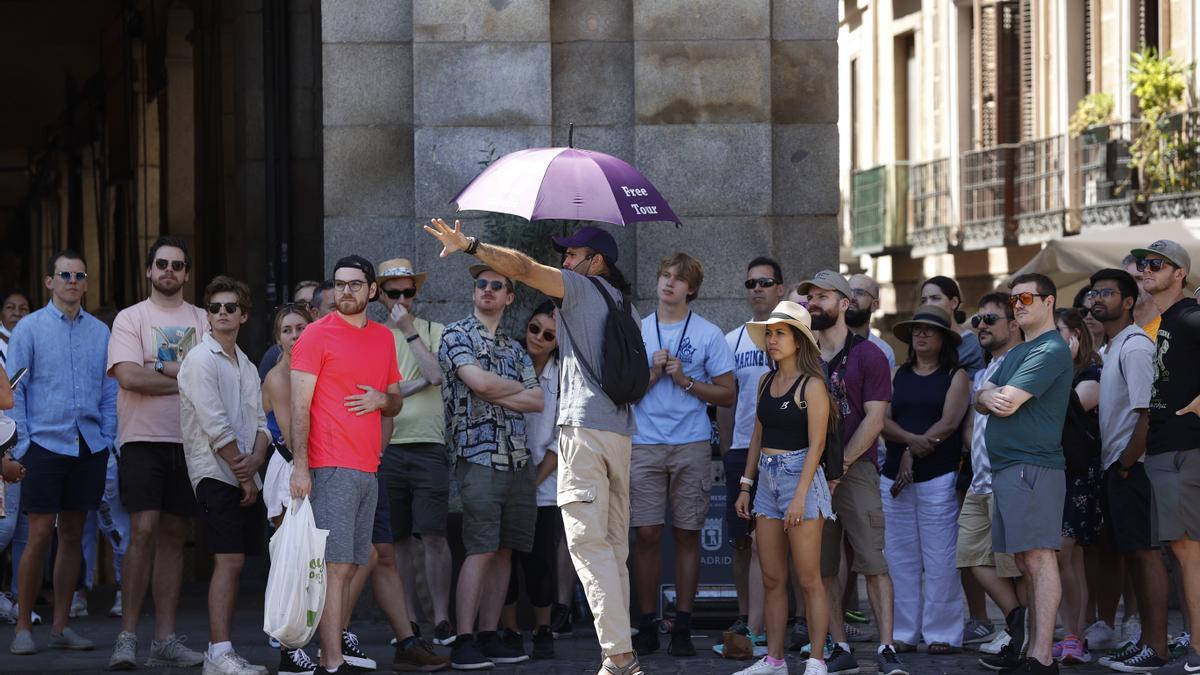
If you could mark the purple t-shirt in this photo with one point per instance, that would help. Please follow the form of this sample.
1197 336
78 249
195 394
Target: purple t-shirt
865 376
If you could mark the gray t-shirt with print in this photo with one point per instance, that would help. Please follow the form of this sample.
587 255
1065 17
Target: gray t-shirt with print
581 401
1124 389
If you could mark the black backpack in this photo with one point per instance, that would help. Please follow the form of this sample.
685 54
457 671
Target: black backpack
1080 438
625 372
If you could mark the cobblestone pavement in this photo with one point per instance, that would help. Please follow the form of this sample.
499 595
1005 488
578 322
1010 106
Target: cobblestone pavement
577 655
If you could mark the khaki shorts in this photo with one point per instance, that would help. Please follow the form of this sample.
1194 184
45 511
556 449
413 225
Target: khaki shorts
975 538
681 473
859 514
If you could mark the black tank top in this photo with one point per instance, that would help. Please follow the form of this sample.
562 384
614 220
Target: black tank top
784 424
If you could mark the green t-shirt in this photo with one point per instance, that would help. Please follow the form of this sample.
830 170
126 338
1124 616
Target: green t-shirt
420 420
1033 435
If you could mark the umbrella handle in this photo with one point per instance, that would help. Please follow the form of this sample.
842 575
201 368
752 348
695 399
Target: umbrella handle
571 135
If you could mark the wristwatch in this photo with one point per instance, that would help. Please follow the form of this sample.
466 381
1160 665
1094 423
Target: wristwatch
159 366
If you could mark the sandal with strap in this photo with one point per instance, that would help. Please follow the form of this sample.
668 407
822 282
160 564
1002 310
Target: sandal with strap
607 667
942 649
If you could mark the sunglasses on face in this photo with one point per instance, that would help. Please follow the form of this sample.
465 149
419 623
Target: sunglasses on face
1152 264
175 265
535 330
484 283
70 276
761 282
396 295
215 307
924 331
354 286
985 319
1024 298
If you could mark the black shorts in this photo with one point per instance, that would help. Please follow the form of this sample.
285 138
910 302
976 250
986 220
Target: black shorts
1128 505
418 484
154 477
737 528
381 529
230 527
56 483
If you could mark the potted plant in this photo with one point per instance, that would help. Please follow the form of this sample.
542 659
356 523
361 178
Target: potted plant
1092 117
1160 87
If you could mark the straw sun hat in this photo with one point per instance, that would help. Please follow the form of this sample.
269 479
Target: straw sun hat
785 312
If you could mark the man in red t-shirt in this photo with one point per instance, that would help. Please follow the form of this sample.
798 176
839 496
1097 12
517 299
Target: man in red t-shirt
344 377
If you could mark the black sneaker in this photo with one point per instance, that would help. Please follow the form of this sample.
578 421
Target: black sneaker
681 641
499 650
841 662
467 656
646 641
512 639
1146 661
443 634
888 663
1007 659
354 656
295 662
543 643
1018 628
798 639
1030 665
560 621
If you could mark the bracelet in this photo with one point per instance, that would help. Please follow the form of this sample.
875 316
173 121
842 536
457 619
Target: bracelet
744 489
412 338
691 383
473 246
745 481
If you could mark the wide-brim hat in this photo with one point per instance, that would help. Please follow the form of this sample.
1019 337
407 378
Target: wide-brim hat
785 312
400 268
926 315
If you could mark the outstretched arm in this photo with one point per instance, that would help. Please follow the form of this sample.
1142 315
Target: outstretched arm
506 261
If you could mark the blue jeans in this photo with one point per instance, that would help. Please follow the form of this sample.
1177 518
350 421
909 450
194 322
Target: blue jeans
778 478
14 529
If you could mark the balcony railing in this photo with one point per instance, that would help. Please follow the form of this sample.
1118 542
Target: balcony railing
1040 207
1175 187
1107 182
988 199
880 208
929 197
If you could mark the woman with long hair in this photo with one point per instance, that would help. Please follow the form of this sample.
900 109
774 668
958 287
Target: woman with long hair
1082 512
793 499
290 320
923 431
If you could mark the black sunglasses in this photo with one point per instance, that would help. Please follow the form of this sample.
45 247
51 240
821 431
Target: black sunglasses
215 307
69 276
484 283
396 295
985 319
535 330
1153 264
175 265
761 282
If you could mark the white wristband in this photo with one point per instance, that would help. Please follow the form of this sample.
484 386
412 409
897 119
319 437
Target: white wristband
746 481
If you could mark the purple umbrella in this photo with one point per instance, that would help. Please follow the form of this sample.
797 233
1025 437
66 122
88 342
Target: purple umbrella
565 183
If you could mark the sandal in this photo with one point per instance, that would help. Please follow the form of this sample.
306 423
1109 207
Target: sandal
903 647
607 667
942 649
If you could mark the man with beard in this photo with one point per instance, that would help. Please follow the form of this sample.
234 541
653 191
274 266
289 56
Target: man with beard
864 303
148 344
1145 313
344 380
859 381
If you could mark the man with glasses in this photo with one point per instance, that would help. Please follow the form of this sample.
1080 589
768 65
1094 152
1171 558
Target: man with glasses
488 382
1026 399
65 410
149 341
1145 313
1172 449
344 380
863 303
225 439
415 463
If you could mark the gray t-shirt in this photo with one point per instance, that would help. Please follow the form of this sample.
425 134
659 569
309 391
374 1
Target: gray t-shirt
1124 389
581 400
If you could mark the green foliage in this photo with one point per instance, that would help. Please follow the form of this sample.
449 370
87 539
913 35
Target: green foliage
529 237
1159 151
1093 110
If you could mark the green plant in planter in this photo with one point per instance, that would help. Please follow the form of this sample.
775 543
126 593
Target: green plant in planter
1160 86
1094 110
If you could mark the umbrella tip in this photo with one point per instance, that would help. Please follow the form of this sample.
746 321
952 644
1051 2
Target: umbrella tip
571 135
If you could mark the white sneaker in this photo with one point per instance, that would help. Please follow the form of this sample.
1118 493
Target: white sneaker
998 643
763 667
1131 630
78 604
815 667
1100 636
8 609
228 663
115 611
34 617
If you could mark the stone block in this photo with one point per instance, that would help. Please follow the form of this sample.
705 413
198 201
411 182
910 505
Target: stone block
481 84
375 239
727 313
723 245
572 20
616 141
803 85
709 169
368 171
449 279
805 245
804 19
366 20
592 82
804 171
709 82
444 313
478 21
447 158
366 83
702 19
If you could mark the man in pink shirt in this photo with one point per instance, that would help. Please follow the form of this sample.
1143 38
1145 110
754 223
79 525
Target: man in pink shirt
344 377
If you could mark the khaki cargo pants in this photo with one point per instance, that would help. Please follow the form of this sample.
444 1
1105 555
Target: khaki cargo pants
593 493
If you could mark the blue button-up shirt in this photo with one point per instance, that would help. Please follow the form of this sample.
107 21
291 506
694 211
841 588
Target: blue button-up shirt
67 395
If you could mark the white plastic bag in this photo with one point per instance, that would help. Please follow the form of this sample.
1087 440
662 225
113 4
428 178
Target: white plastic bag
296 584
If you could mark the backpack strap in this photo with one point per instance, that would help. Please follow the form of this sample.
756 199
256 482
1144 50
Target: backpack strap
1121 366
612 307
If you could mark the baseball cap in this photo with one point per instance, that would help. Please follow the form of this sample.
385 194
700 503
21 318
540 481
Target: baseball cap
828 280
1174 253
478 269
356 262
591 237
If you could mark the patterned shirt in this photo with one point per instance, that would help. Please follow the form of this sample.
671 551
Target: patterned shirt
478 431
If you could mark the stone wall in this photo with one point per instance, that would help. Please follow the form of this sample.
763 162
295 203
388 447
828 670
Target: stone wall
730 108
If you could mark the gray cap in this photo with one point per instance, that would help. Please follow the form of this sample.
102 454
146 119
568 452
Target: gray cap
829 280
1175 254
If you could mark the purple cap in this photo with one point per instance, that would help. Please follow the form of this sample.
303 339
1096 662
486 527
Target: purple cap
591 237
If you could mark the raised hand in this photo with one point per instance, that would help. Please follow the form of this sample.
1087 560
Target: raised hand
452 239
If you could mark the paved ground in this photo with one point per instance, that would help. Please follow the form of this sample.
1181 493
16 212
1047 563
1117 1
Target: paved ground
576 656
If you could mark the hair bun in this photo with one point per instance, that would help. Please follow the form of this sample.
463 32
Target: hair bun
960 316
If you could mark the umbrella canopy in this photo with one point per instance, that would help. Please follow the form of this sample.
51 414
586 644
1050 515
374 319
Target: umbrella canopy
565 183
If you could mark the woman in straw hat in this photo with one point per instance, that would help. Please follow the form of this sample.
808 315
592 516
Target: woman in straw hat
792 500
923 430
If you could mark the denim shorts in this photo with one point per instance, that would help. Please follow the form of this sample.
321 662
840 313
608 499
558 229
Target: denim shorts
778 477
